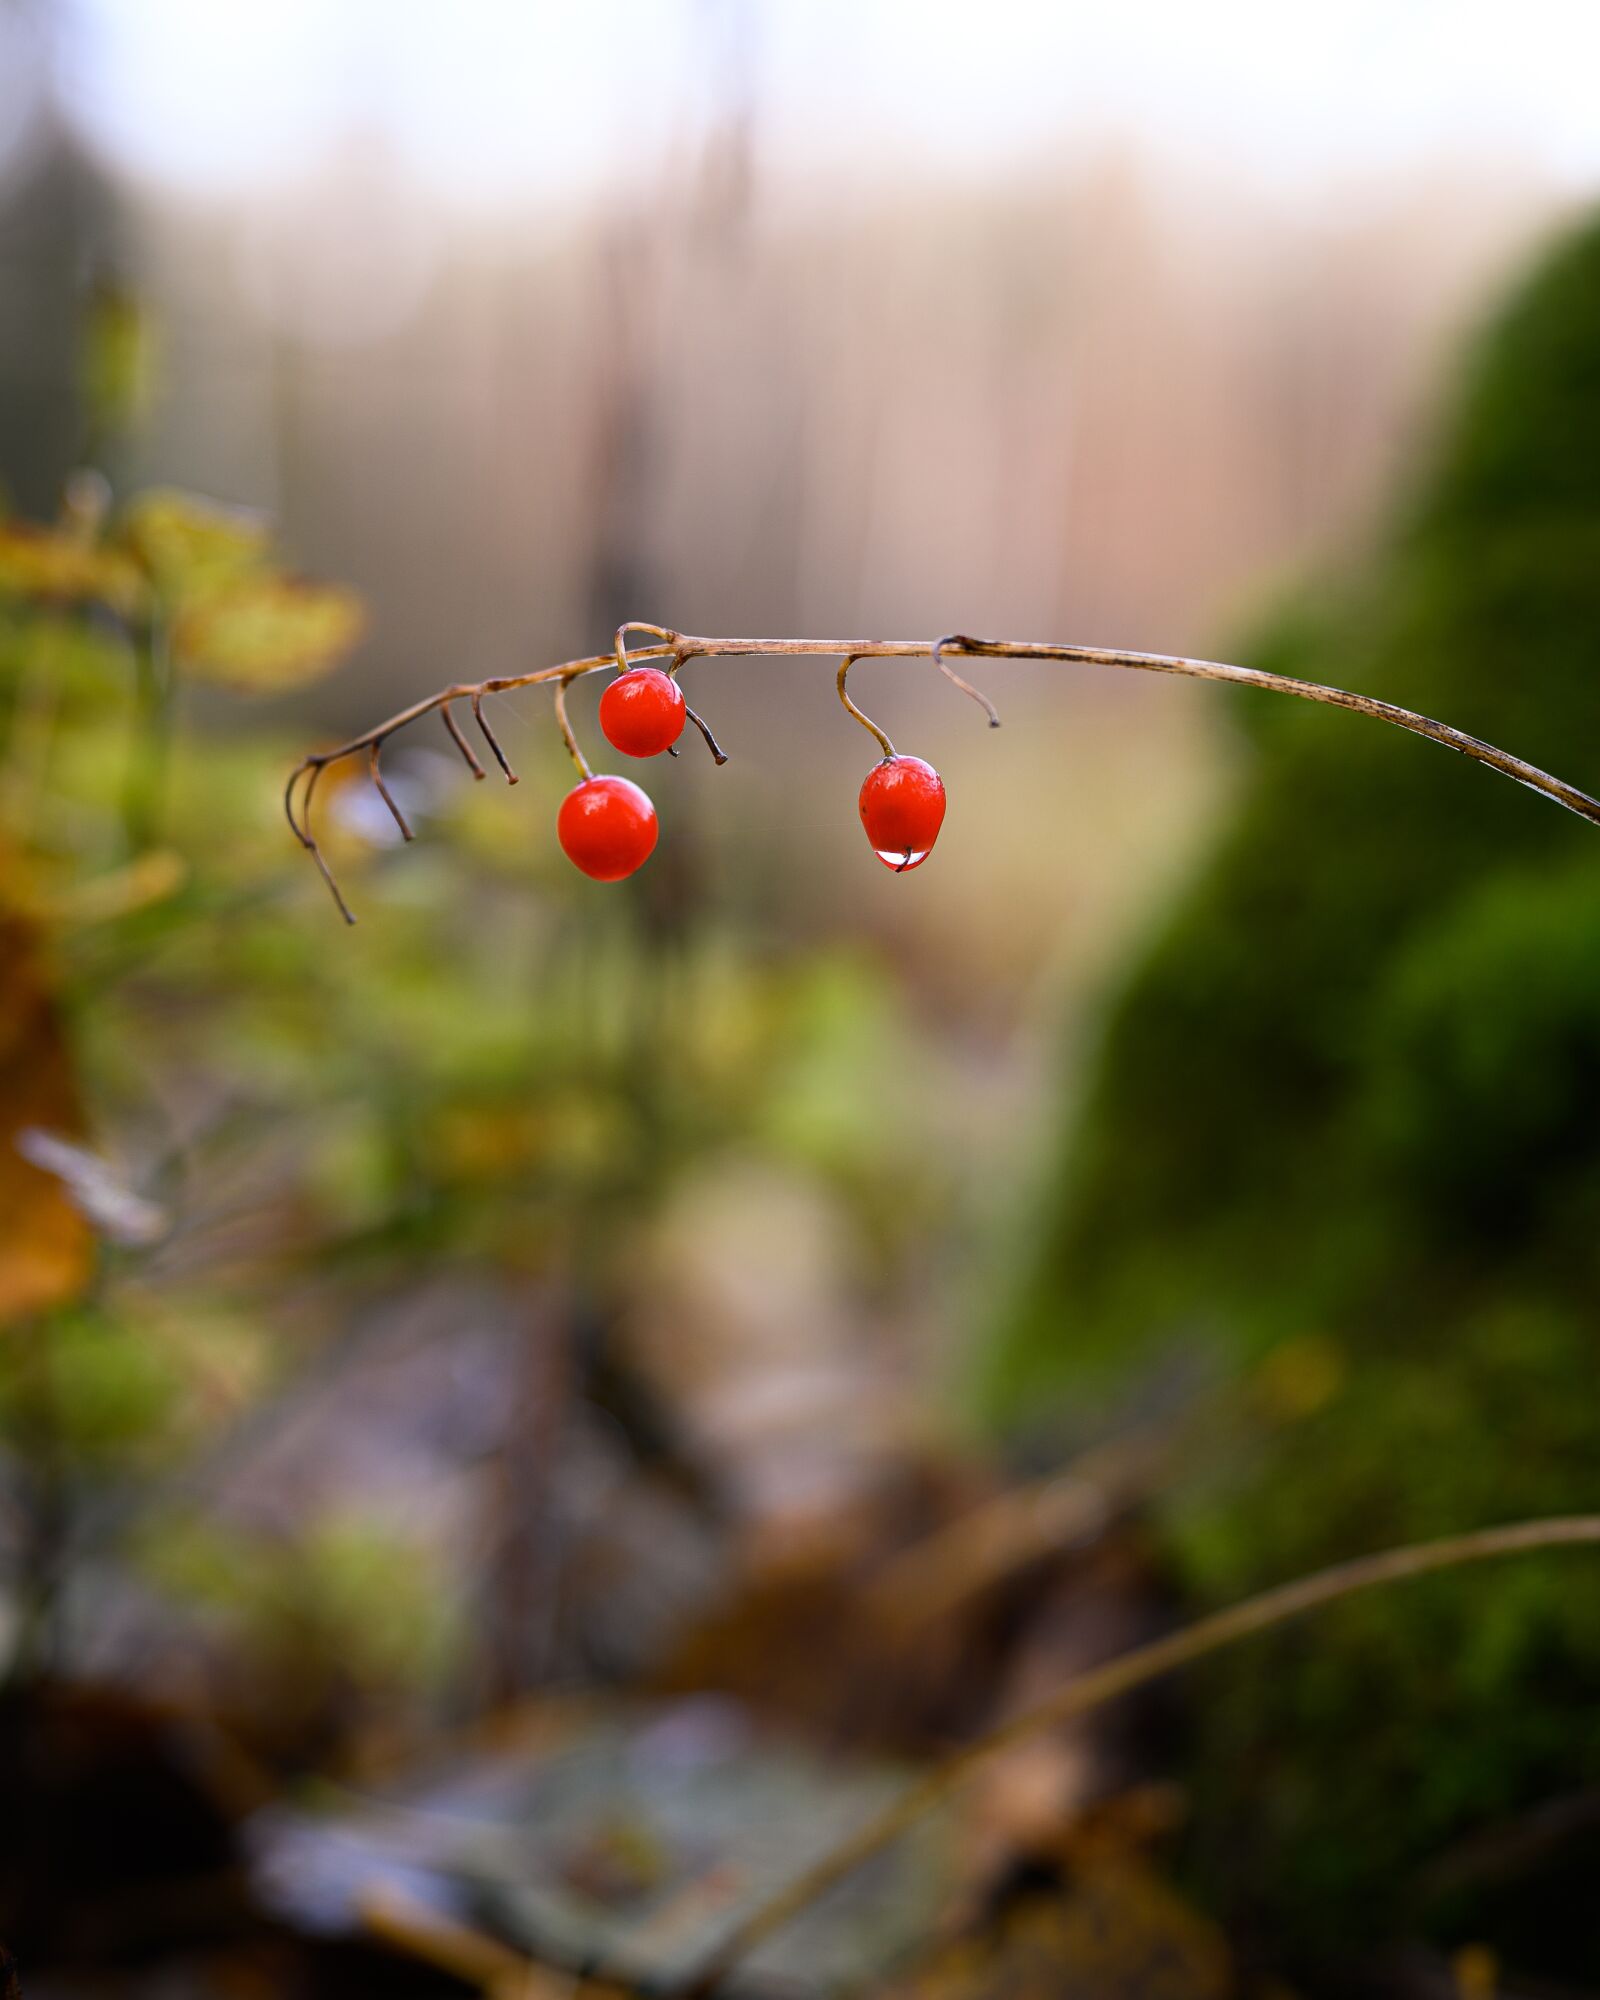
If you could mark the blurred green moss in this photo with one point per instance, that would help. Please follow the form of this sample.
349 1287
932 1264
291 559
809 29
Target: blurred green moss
1351 1092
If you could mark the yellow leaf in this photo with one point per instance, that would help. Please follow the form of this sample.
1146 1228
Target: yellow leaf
46 563
268 632
189 545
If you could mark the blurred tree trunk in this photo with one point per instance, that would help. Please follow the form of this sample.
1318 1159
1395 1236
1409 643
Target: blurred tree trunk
57 230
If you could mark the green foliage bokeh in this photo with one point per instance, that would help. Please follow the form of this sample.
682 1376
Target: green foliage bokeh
493 1088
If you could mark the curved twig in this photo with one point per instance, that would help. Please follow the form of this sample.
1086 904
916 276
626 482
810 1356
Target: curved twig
461 742
312 768
638 625
1119 1676
678 648
936 652
383 790
718 754
861 714
295 776
489 736
567 736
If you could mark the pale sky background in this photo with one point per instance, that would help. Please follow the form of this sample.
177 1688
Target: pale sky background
489 105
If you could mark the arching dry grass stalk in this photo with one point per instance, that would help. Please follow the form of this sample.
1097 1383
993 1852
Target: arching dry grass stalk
1120 1676
677 649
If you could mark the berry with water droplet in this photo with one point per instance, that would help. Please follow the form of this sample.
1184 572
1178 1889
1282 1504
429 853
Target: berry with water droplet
902 809
607 827
642 712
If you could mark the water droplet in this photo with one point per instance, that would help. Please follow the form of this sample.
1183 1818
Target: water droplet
902 859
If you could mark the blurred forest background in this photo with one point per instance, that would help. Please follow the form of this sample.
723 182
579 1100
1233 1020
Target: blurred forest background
521 1421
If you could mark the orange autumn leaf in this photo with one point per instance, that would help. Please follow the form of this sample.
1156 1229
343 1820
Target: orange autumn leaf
46 1245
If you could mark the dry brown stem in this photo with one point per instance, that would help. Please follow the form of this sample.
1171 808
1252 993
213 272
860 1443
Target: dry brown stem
1116 1677
679 648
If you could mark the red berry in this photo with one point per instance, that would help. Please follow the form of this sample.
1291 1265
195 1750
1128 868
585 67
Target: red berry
641 712
902 808
607 827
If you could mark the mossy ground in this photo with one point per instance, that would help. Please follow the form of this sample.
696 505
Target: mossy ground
1352 1090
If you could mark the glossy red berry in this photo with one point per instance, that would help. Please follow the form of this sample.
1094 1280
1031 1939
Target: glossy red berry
902 809
642 712
607 827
